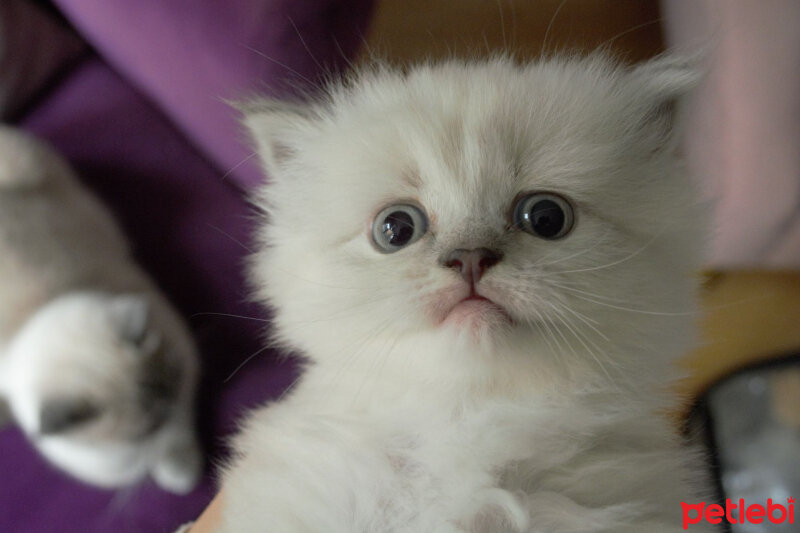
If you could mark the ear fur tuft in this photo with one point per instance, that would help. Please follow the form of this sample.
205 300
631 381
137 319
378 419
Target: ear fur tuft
668 76
665 81
273 126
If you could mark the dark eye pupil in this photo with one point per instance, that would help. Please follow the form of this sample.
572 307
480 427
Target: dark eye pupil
398 228
547 218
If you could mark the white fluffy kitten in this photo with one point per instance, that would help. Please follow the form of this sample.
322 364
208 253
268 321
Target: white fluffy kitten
96 366
489 268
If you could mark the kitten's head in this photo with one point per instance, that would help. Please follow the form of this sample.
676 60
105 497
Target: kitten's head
94 381
536 206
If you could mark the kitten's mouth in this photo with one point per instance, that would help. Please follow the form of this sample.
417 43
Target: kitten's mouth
476 297
476 310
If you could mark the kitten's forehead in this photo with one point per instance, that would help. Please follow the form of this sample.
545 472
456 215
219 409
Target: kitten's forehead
464 139
466 173
463 150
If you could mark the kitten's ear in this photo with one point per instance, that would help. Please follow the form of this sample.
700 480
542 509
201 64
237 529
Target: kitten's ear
664 81
669 76
275 126
58 415
130 315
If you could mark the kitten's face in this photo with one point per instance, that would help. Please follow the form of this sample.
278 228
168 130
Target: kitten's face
91 382
489 203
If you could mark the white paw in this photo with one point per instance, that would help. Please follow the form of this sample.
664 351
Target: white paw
179 471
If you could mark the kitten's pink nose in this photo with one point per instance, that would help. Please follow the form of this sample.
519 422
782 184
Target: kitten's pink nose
472 263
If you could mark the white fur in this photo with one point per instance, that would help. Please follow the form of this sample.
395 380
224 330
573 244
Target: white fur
80 322
403 423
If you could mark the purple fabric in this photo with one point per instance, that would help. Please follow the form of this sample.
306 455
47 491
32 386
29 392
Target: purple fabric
27 65
191 56
158 160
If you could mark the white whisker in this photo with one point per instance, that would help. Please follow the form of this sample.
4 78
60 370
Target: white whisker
641 311
586 320
247 360
565 320
614 263
550 25
303 42
287 67
231 315
585 293
231 237
237 165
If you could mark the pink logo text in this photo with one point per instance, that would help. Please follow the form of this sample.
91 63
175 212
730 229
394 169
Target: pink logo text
774 513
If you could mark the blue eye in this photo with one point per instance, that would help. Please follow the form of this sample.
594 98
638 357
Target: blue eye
397 226
545 215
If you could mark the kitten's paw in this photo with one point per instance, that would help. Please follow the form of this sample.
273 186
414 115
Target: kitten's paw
180 469
19 165
499 510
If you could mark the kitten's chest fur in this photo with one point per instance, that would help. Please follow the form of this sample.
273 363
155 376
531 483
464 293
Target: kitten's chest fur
481 364
427 459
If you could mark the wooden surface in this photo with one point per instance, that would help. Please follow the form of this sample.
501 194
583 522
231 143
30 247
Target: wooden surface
749 317
406 30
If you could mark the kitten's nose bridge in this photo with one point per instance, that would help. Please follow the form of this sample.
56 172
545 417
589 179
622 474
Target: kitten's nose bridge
471 264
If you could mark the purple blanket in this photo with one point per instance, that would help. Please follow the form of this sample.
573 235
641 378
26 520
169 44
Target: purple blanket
141 114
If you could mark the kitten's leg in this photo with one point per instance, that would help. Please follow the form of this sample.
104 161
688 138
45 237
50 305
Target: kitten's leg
181 466
298 472
22 165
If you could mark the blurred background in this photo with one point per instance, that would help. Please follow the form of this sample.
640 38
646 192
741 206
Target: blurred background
132 94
